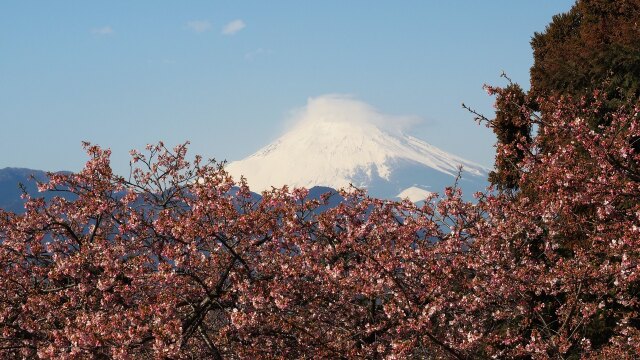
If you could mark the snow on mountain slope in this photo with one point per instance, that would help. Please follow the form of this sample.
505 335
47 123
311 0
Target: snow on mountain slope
339 141
414 194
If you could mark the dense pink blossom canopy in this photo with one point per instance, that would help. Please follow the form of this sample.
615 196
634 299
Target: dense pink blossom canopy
178 261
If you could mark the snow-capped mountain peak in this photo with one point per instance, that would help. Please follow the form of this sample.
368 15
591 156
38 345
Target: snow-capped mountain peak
339 141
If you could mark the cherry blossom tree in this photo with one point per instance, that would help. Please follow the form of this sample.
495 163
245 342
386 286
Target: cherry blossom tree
179 261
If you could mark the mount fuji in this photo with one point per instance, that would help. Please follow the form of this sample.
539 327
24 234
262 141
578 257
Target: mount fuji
338 141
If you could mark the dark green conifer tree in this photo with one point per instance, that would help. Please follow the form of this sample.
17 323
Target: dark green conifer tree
595 43
595 46
512 127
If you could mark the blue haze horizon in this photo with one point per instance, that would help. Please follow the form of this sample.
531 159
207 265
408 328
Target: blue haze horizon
226 76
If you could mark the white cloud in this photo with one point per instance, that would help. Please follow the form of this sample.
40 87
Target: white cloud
105 30
256 53
336 108
199 26
233 27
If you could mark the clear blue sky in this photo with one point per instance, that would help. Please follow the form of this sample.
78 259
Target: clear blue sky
125 73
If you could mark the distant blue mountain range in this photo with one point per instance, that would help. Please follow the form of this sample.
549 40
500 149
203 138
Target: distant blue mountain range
11 178
10 191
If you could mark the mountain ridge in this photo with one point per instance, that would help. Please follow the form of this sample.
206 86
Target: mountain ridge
340 142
